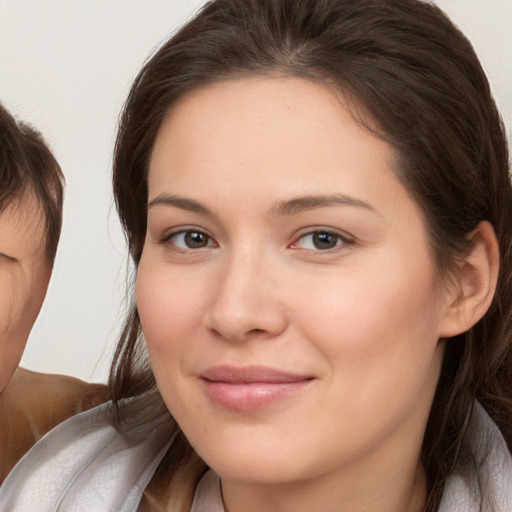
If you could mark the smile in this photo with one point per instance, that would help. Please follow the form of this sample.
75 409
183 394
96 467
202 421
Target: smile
250 388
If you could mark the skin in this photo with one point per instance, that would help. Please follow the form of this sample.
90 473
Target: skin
24 275
362 320
30 403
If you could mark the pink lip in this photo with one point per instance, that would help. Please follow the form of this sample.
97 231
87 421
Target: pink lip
250 387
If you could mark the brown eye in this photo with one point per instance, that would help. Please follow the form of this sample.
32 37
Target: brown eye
325 240
195 239
320 241
190 240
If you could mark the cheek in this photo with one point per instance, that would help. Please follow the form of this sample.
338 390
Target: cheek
169 307
30 300
7 300
170 310
377 334
373 325
11 342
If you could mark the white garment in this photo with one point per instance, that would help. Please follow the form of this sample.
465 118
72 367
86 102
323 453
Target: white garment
494 481
84 465
208 496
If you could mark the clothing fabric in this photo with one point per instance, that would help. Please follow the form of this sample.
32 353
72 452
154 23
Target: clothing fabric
85 465
492 485
33 403
208 496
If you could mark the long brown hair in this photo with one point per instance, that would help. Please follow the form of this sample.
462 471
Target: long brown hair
421 88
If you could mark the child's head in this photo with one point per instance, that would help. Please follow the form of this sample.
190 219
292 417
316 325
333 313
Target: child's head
31 197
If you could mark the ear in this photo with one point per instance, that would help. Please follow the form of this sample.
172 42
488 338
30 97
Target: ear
477 277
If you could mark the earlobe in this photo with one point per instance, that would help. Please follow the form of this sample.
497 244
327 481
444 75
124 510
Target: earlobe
477 279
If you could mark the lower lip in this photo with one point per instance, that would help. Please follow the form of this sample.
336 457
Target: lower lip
253 395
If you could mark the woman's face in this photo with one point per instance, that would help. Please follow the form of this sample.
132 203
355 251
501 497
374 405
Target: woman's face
290 305
24 275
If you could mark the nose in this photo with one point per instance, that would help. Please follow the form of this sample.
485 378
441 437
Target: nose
247 301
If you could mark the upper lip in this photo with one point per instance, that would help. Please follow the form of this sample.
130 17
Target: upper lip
251 374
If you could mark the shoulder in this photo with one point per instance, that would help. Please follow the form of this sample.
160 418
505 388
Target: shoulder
51 395
85 463
33 403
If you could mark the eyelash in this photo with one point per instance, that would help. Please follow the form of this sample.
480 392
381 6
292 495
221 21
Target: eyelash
183 232
7 257
341 240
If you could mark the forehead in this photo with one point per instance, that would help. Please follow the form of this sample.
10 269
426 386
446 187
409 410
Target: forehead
266 128
22 228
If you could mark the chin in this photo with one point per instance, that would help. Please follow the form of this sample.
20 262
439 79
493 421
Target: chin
260 471
254 460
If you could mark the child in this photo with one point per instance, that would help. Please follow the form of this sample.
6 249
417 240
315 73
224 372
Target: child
31 196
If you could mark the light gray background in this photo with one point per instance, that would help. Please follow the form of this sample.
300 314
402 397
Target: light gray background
65 67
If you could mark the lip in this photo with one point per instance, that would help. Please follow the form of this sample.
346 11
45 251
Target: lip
251 387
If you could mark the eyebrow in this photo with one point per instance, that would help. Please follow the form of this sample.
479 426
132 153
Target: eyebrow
281 208
179 202
299 204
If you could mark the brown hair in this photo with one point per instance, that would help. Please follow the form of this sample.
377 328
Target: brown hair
28 166
423 89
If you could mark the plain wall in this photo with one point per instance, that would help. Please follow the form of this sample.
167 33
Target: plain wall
66 67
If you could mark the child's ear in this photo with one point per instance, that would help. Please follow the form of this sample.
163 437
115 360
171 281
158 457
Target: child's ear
476 283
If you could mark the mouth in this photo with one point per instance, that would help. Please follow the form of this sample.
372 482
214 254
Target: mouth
252 387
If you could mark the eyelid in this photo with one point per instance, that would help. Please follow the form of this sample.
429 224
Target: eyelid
9 258
165 239
344 237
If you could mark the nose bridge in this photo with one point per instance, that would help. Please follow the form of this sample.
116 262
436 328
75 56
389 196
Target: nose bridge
246 299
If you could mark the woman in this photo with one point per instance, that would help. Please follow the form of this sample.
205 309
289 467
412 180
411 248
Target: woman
315 196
